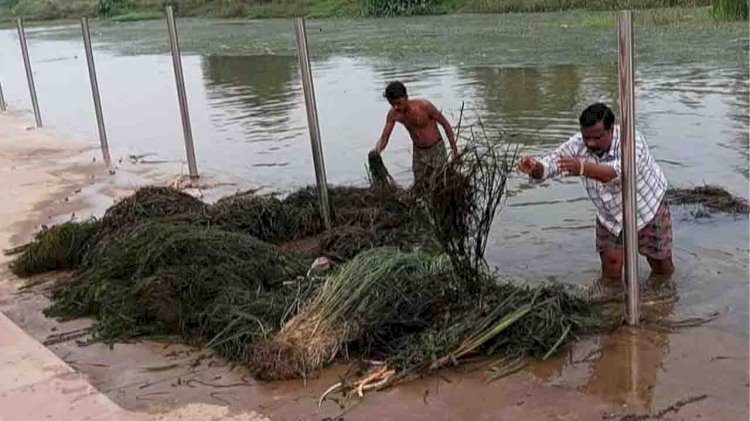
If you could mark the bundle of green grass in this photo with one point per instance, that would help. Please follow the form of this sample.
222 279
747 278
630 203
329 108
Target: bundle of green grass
360 295
414 314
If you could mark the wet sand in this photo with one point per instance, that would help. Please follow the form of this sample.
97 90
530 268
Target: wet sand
695 373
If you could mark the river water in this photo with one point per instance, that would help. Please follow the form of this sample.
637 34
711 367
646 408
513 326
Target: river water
527 76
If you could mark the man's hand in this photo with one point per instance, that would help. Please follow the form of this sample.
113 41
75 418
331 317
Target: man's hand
532 167
527 165
570 166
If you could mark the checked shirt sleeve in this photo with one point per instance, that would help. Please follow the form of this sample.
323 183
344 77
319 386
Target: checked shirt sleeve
571 147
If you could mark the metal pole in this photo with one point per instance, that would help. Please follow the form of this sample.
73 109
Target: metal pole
627 141
29 74
3 106
181 95
95 90
312 118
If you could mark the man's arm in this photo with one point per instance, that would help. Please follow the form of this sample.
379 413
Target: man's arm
549 165
602 172
390 122
440 118
609 171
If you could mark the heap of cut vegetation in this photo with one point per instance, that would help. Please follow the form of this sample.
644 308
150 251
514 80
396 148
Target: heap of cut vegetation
171 279
415 313
163 263
413 289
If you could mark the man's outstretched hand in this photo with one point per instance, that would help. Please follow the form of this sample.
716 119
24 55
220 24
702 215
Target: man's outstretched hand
527 165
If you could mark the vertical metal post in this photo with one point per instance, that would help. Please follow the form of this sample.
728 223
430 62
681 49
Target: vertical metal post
181 95
3 106
95 91
312 118
29 74
627 141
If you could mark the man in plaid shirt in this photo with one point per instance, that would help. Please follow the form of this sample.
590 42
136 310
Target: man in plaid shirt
594 155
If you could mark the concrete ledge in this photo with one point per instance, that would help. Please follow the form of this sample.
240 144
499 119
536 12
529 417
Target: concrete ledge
36 385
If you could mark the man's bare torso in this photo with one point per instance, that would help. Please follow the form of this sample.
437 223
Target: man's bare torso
422 127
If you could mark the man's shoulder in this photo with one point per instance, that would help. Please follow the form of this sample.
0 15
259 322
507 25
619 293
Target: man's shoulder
576 137
421 102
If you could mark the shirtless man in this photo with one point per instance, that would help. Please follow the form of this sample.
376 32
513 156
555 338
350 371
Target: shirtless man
420 118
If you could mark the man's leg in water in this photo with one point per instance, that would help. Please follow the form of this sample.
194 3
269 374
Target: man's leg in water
655 241
612 261
609 247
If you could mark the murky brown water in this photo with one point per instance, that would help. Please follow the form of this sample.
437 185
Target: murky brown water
526 74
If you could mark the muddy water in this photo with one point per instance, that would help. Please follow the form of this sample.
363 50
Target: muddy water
529 75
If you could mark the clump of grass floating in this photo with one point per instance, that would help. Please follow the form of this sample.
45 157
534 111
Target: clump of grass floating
714 198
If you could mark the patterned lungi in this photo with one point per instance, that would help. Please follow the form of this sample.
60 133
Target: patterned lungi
654 240
425 161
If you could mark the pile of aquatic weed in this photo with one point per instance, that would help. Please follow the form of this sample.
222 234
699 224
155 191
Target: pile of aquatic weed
161 262
182 279
362 218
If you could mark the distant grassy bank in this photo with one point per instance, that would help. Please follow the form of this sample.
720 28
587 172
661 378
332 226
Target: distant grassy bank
132 10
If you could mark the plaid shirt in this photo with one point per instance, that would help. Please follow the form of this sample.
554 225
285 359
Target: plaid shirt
651 184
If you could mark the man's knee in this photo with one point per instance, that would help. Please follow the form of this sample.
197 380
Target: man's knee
612 263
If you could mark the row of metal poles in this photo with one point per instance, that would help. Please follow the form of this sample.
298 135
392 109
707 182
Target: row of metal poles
307 83
627 114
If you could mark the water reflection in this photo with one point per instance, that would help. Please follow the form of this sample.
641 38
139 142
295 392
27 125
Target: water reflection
560 88
538 104
622 368
255 91
627 369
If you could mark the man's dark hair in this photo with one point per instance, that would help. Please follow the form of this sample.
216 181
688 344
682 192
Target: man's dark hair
595 113
395 90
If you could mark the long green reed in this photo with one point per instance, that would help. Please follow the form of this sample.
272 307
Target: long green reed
730 9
